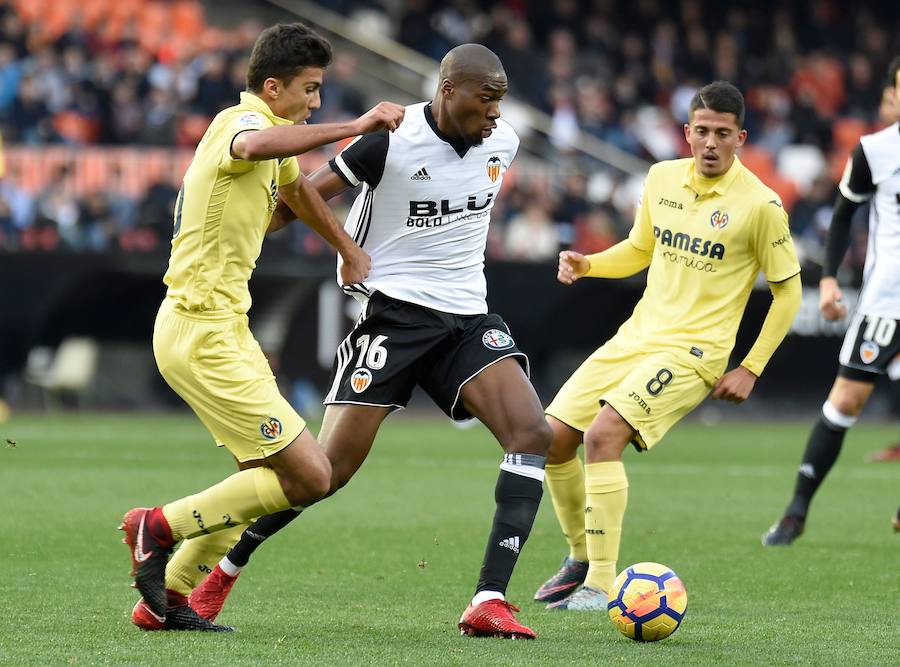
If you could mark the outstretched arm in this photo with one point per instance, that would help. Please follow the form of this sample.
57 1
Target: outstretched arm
736 384
289 140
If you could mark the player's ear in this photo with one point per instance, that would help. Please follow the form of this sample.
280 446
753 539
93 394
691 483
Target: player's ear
447 87
741 137
272 87
687 131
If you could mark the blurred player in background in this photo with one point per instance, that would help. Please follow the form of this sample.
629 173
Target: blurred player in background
423 215
872 343
201 339
705 227
888 112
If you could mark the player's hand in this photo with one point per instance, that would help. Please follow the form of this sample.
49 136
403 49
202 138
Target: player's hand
356 266
383 116
735 386
572 266
830 295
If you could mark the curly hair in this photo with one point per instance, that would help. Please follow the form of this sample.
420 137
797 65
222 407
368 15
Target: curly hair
282 51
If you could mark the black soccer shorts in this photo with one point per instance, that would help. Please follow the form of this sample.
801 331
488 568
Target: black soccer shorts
870 345
397 345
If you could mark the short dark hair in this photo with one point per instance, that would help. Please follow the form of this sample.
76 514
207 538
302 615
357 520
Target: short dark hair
721 97
283 50
893 68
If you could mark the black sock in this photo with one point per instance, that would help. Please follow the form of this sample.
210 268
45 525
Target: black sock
822 450
518 498
257 532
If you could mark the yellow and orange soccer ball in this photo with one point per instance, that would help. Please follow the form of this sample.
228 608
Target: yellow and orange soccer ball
647 602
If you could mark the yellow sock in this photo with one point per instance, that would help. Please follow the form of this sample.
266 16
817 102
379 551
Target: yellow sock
244 496
606 492
196 558
565 481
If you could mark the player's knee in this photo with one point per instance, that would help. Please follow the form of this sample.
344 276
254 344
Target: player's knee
534 439
842 410
542 436
309 485
603 443
339 478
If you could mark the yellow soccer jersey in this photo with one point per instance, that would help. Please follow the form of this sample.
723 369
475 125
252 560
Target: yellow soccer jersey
222 213
707 250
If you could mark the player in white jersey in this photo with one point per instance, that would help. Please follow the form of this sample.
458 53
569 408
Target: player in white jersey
423 217
872 344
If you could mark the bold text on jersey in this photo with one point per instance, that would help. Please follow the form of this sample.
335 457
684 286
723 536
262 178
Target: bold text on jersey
693 244
429 213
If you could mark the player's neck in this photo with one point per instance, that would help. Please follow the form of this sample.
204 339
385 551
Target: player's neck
443 122
703 184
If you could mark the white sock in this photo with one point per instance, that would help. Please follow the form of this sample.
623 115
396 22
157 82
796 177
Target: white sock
484 596
229 568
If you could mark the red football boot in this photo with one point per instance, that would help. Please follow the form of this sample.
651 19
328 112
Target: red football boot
493 618
150 540
179 616
209 597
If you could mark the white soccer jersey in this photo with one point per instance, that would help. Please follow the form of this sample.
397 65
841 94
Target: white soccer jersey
873 173
424 210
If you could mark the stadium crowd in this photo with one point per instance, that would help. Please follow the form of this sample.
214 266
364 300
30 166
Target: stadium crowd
621 72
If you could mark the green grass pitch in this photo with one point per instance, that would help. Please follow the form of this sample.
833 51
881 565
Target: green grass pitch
380 573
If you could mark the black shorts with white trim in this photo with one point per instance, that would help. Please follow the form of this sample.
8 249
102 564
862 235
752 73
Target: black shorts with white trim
871 344
397 345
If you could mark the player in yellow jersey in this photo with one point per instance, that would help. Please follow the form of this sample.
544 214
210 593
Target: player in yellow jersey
705 227
201 339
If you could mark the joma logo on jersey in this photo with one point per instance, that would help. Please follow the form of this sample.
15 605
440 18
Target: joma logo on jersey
692 244
671 204
640 401
431 209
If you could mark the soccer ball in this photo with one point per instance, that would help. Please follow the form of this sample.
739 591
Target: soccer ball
647 602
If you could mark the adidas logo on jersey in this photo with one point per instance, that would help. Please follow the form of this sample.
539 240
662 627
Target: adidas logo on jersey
421 175
511 543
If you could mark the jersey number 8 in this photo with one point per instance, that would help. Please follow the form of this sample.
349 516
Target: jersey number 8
659 381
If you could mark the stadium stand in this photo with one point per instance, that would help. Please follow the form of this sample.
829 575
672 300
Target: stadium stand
117 92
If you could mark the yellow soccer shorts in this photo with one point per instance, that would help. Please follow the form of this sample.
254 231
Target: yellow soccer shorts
651 390
218 368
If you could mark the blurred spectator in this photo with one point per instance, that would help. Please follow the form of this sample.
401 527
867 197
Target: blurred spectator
341 98
58 210
215 89
531 235
811 215
18 209
10 75
623 73
97 222
155 212
595 232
